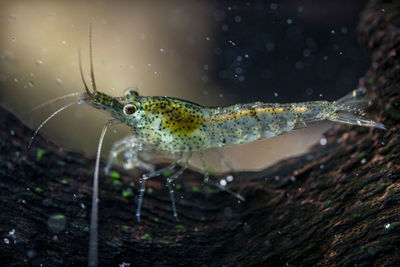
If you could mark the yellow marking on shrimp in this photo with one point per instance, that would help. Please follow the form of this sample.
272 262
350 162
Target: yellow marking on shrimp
242 113
177 119
300 109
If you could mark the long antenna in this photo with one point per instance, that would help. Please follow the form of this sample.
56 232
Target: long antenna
83 79
91 59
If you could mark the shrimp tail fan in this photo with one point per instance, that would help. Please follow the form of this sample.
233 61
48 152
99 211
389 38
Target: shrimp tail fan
350 109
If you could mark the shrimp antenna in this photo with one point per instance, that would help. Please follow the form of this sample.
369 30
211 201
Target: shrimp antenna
91 59
54 100
49 118
93 241
83 78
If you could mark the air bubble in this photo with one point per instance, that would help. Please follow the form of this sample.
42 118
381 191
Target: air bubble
39 62
238 19
59 82
31 253
270 46
323 141
222 182
273 6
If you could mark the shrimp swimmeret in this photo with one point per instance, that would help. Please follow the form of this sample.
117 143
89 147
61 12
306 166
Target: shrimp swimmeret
169 125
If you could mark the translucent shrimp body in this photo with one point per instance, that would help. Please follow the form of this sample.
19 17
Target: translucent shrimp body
175 125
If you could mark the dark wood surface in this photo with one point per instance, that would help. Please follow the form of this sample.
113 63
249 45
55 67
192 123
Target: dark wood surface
337 205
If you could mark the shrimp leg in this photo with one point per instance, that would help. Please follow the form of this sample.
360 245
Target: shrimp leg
171 189
142 182
207 181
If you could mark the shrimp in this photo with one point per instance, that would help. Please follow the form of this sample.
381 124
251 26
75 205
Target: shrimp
176 127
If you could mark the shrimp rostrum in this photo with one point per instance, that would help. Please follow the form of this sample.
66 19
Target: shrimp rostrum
163 124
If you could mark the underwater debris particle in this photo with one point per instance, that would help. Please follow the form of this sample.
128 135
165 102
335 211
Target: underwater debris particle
167 174
31 253
115 175
146 237
38 190
387 226
59 82
323 141
363 161
117 183
124 264
127 193
6 241
57 223
11 232
246 228
39 154
196 189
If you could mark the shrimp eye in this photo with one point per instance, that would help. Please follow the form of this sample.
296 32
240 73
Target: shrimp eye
131 92
129 109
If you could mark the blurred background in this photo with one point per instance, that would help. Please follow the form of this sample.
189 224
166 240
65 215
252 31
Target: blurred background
210 52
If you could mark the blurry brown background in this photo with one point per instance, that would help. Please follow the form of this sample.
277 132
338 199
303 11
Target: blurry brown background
163 48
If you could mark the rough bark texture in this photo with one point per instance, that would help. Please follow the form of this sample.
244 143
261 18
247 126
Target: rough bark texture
337 205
